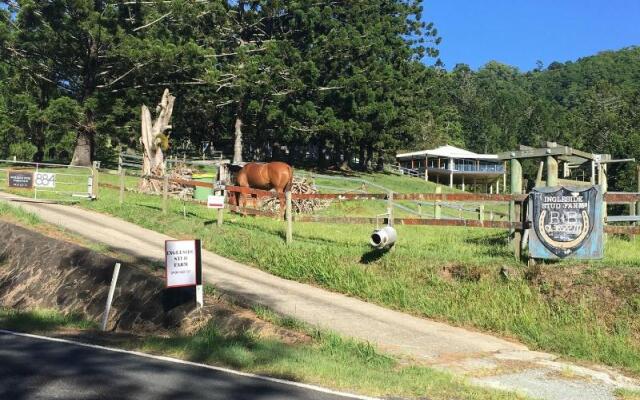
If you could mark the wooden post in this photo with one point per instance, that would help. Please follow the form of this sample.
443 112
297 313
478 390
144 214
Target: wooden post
539 174
638 189
515 208
165 194
604 184
112 289
121 197
437 212
516 176
552 171
481 213
426 168
390 208
287 195
220 217
95 180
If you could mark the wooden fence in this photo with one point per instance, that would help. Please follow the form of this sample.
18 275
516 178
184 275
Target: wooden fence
514 224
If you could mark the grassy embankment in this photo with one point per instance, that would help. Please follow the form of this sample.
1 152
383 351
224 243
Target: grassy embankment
585 310
325 359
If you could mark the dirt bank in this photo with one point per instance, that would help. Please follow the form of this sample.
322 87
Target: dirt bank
37 271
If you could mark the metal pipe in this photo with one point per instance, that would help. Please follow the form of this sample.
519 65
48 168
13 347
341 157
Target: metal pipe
383 238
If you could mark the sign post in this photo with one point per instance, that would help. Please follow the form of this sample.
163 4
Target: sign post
183 266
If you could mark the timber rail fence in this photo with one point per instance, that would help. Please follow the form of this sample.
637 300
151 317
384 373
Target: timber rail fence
611 198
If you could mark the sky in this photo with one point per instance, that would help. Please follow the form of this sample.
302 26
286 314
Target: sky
521 32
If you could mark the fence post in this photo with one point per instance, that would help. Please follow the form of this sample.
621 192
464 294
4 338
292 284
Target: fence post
437 212
481 213
515 210
419 209
287 195
390 208
121 198
94 172
638 189
220 216
165 193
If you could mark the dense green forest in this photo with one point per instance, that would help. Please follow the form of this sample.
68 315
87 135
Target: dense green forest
323 83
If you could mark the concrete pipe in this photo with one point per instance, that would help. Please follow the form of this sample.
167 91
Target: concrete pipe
383 238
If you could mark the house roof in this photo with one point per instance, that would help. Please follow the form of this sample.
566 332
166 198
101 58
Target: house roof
449 152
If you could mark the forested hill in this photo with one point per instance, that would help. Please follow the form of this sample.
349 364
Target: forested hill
308 81
591 104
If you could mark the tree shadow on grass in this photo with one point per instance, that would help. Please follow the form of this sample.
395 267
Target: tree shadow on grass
29 321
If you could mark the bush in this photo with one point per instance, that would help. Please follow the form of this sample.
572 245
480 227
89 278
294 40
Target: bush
23 151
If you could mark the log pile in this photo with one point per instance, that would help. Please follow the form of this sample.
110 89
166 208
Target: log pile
180 171
299 206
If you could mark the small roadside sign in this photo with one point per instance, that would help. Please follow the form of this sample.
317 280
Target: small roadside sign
45 180
20 179
215 201
183 265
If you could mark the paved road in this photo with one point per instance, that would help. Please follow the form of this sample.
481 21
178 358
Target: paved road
34 368
443 346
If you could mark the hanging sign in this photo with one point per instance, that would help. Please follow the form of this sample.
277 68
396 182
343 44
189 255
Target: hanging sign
45 180
215 201
20 179
567 222
183 265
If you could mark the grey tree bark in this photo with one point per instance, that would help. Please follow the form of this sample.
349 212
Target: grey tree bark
155 141
237 145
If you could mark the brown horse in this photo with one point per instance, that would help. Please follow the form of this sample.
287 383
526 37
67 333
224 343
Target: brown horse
266 176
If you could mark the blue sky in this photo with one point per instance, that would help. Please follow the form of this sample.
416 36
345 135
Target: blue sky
520 32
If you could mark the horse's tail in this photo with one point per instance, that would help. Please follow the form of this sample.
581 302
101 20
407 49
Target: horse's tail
287 188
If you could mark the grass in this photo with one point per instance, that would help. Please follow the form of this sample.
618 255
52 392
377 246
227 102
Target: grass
19 214
327 359
625 394
41 320
450 274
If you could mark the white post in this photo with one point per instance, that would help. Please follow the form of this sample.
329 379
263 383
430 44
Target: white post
112 289
35 187
289 216
390 208
199 296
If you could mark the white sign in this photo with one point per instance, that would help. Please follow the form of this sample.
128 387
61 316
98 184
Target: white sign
181 262
215 201
45 180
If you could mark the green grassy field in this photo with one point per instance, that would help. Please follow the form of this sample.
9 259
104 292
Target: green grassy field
584 310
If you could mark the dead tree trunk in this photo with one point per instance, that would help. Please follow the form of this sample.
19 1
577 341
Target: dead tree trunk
237 145
155 141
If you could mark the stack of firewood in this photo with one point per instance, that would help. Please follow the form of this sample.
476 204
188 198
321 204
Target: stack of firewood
299 206
180 171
